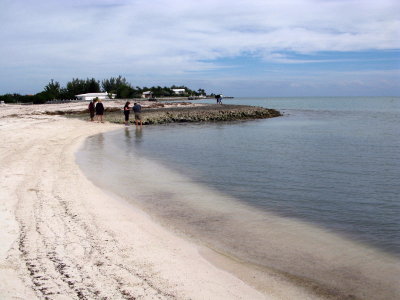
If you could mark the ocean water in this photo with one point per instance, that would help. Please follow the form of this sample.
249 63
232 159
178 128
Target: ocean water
314 193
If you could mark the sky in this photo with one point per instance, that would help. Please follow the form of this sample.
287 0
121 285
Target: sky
262 48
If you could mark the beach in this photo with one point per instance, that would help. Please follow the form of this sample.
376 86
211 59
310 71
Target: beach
65 238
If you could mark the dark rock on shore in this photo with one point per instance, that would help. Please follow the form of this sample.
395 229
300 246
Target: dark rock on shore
211 112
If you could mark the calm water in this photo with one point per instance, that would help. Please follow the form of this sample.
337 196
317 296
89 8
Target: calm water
324 175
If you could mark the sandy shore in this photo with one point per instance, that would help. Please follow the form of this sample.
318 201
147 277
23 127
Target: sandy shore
64 238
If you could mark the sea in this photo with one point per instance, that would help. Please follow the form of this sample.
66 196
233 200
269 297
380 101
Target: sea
314 194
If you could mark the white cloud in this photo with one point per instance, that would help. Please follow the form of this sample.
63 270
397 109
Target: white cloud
178 36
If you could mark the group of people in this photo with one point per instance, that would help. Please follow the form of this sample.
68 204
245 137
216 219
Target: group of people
96 108
137 109
219 99
96 112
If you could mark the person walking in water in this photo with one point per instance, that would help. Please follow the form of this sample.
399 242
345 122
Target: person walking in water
99 111
137 109
126 112
92 109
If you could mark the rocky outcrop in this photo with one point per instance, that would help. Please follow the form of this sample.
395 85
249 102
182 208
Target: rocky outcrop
211 112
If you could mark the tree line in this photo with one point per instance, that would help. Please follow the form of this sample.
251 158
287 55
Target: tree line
115 85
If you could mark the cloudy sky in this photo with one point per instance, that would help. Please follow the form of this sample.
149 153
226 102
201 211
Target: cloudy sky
234 47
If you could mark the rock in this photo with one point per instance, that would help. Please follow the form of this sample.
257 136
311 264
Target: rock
211 112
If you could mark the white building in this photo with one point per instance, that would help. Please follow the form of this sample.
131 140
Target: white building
91 96
179 91
147 94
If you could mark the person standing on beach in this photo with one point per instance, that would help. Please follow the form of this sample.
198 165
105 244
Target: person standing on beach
99 111
126 112
91 109
137 109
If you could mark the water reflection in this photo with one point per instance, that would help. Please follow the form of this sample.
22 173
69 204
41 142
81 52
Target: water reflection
100 140
127 134
138 135
137 139
128 140
99 147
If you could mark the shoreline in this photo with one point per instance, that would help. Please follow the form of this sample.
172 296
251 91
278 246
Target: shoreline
64 237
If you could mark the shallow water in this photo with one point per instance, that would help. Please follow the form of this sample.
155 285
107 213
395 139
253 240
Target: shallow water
313 193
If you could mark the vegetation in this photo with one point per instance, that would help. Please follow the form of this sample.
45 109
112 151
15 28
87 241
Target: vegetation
118 86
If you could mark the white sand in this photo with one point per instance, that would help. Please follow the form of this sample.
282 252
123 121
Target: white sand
64 238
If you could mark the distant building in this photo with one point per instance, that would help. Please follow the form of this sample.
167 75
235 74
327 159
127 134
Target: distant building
179 91
147 94
91 96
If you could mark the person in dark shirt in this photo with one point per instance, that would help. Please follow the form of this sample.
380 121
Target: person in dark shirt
127 110
137 109
99 111
91 109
